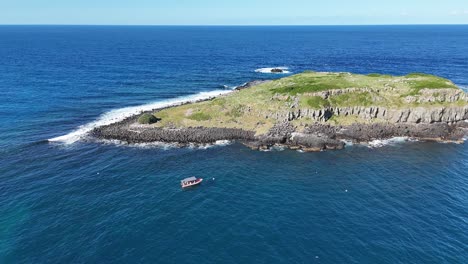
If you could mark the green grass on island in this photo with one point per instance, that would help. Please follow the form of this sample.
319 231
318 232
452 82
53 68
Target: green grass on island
255 108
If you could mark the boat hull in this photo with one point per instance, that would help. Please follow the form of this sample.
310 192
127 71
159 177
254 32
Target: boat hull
197 182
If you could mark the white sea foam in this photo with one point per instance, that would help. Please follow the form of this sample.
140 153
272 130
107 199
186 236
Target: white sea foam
348 143
266 150
223 142
164 145
118 115
268 70
278 148
219 143
149 145
378 143
274 148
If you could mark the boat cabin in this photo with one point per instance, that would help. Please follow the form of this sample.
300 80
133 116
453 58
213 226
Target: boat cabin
190 182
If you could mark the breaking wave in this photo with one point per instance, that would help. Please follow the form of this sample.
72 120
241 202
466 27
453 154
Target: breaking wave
219 143
268 70
378 143
348 143
149 145
120 114
164 145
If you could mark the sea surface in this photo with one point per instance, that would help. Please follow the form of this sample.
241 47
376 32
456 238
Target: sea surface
67 199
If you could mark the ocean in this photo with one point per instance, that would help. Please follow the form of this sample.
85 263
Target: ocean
66 198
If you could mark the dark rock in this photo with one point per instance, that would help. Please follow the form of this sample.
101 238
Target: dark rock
251 84
180 135
314 141
276 70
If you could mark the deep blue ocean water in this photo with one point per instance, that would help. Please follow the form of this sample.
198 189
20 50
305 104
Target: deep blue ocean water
88 202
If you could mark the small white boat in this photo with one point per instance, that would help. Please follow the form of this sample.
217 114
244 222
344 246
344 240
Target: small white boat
192 181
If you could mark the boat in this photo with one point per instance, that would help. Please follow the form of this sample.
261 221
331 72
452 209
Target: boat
188 182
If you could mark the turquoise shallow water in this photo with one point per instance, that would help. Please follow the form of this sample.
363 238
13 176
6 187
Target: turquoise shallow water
105 203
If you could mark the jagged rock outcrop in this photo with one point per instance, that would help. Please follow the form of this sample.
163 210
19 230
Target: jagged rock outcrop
276 70
314 142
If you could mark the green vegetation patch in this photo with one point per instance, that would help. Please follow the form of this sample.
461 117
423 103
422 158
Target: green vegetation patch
236 111
300 85
433 83
428 82
418 74
378 75
146 119
352 99
161 115
199 116
255 108
317 102
219 101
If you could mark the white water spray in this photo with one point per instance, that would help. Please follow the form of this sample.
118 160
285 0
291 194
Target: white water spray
118 115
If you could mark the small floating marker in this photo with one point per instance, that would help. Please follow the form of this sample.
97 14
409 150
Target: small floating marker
316 257
97 173
213 179
346 190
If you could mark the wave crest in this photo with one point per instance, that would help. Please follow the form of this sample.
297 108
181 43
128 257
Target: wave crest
120 114
378 143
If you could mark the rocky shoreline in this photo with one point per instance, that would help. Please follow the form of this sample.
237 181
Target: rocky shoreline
434 124
316 137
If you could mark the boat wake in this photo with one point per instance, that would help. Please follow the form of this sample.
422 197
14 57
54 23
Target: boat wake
118 115
269 70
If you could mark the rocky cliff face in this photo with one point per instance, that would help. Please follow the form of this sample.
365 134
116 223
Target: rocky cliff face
438 95
426 115
415 115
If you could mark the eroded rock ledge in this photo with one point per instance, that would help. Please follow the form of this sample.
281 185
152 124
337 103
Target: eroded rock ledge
316 137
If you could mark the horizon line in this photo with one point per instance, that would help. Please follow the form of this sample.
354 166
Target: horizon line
238 25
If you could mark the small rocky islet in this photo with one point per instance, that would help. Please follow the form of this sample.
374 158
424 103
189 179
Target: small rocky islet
310 111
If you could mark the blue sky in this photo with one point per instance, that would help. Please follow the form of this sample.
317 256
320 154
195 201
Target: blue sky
235 12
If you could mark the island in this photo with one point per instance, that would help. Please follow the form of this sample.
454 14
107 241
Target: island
310 111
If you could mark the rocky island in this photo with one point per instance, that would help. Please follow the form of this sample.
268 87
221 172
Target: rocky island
311 111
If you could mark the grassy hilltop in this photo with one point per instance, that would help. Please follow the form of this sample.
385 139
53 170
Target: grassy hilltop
255 108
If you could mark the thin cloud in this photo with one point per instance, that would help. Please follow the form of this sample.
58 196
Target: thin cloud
459 13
